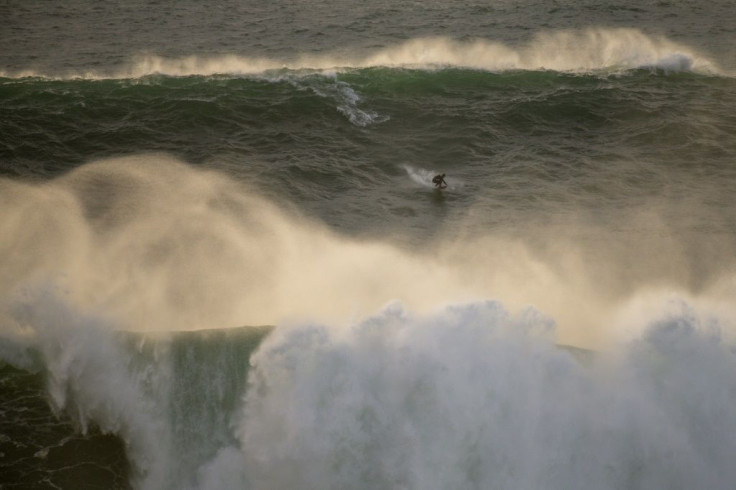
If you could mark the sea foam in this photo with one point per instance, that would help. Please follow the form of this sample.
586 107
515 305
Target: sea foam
576 51
470 395
476 397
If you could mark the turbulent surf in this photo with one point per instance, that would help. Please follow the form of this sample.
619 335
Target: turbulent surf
225 264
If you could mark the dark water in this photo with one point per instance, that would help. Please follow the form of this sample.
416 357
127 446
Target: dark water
41 450
166 169
573 142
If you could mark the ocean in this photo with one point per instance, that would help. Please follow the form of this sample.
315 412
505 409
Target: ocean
225 265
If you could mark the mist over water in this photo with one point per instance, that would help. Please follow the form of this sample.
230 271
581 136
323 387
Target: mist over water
473 397
443 389
155 244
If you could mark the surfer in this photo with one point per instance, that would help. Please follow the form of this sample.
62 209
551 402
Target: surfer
439 181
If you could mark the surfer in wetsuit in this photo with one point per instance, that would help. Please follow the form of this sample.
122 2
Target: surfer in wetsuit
439 181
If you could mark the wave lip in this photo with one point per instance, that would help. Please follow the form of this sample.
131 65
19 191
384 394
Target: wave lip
576 51
593 50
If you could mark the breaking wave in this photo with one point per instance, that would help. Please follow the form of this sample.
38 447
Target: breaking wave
469 396
576 51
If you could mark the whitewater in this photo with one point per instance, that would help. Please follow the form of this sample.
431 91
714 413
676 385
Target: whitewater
434 391
586 50
224 264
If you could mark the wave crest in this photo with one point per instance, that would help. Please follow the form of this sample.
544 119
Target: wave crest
576 51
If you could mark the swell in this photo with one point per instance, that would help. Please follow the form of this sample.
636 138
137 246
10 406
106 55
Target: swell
51 125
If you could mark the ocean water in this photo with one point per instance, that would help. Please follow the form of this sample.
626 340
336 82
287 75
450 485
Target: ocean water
224 264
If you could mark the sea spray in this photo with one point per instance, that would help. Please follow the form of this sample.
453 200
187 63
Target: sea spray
469 396
170 397
474 397
422 395
90 378
570 50
593 143
160 245
157 244
347 100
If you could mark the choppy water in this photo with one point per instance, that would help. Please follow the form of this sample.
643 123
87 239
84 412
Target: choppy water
168 169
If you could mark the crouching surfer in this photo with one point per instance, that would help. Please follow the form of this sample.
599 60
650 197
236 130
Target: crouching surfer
439 181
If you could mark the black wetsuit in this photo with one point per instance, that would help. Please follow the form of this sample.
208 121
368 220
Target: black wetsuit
439 181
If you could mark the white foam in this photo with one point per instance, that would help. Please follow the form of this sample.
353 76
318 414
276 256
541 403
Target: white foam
469 396
585 50
421 176
347 100
424 177
91 379
578 51
475 397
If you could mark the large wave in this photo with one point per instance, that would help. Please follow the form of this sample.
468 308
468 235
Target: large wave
457 385
473 397
469 396
577 51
